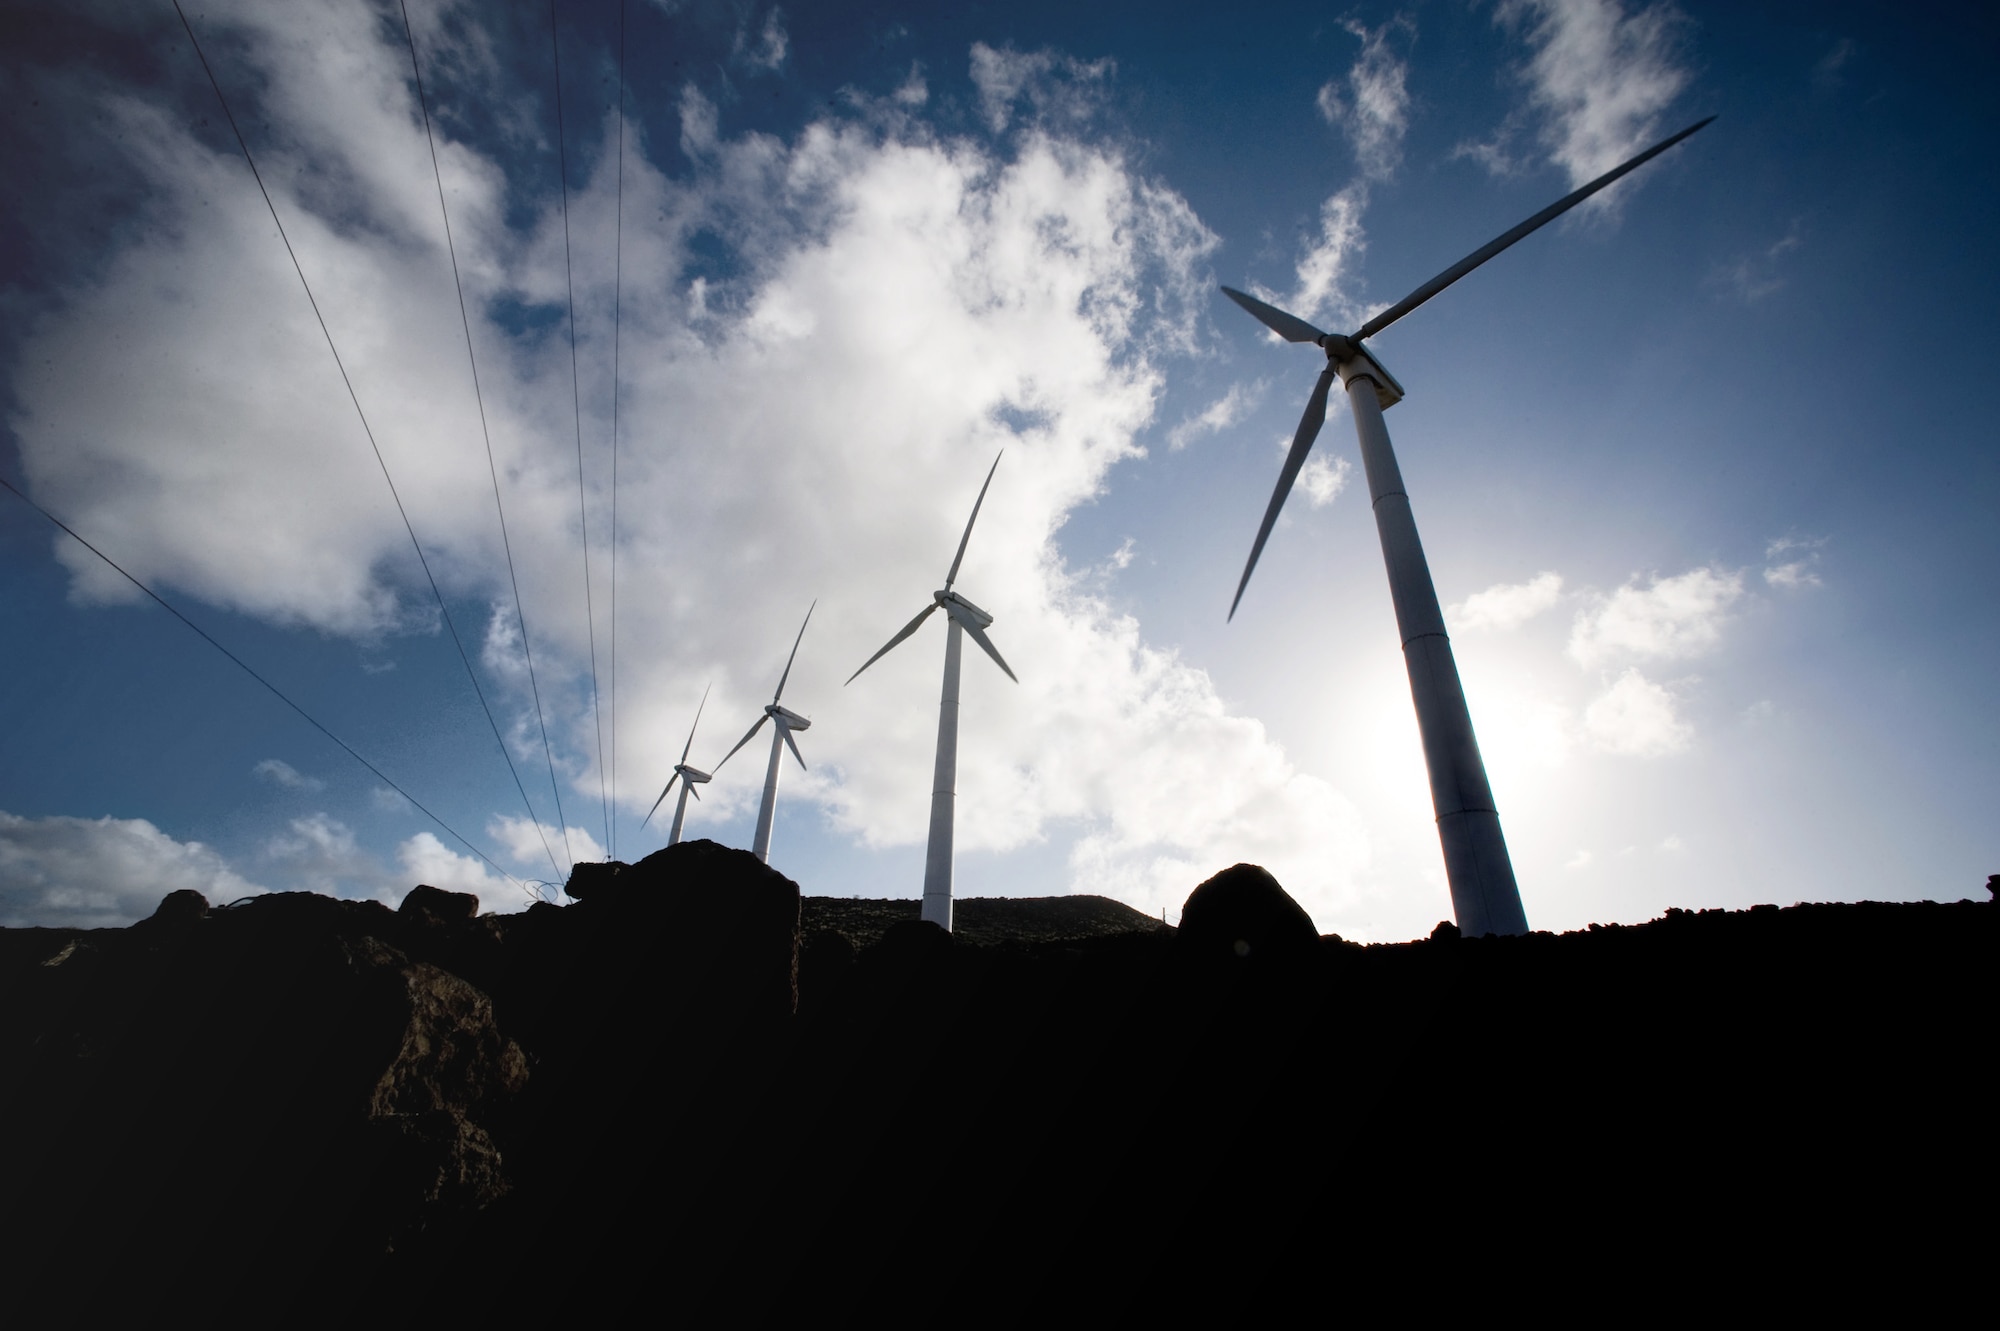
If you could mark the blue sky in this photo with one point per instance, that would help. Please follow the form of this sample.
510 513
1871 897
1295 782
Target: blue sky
1706 472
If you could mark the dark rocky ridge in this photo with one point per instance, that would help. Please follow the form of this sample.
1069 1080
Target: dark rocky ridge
693 1092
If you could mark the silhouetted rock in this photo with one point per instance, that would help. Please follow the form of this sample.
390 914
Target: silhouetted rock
442 906
1445 932
588 879
1243 916
181 907
406 1112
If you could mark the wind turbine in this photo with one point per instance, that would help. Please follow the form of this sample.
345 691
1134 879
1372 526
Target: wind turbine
781 738
689 777
1484 896
966 618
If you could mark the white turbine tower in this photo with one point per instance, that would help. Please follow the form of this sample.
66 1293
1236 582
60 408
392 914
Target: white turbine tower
786 721
689 777
1484 896
966 618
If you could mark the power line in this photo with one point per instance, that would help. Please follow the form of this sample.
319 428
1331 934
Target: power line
492 469
617 310
164 604
576 396
353 397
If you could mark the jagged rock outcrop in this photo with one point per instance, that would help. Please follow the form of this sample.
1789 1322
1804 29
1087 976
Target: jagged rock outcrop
692 1093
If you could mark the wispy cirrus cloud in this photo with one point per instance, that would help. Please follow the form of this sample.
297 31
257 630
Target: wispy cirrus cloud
1599 78
1370 105
1218 415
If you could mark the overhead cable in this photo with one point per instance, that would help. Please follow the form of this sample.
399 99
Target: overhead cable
356 400
576 399
492 469
247 669
617 303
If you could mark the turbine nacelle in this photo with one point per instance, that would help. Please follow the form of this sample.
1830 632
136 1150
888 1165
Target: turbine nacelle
693 776
786 717
960 608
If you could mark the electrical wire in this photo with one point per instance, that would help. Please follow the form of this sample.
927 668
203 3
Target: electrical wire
353 397
247 669
506 543
617 310
576 397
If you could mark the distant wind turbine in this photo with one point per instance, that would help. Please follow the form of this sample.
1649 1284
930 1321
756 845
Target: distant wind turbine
1484 896
689 777
966 618
781 738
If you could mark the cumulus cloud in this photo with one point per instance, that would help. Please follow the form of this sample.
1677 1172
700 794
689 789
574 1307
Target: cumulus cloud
1656 619
809 416
320 853
1506 605
425 859
99 873
285 776
1636 718
1322 480
1599 79
1218 415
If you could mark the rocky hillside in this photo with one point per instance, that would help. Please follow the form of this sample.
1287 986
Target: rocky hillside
694 1092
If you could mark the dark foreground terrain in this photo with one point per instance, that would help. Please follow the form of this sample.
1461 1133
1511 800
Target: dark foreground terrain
694 1097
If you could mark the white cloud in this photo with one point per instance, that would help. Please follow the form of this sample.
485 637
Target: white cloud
1323 271
896 306
767 53
1218 415
913 91
1374 115
99 873
1801 569
524 843
1581 860
1664 618
1600 77
425 859
1056 87
281 773
1323 480
1636 718
1506 605
1755 276
1374 110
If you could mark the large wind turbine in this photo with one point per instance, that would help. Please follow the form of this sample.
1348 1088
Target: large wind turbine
965 618
786 721
689 777
1484 896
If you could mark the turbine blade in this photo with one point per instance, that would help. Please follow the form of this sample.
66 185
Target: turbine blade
795 651
952 576
694 789
1302 443
1540 219
752 733
1288 326
908 629
978 635
792 744
697 722
658 802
